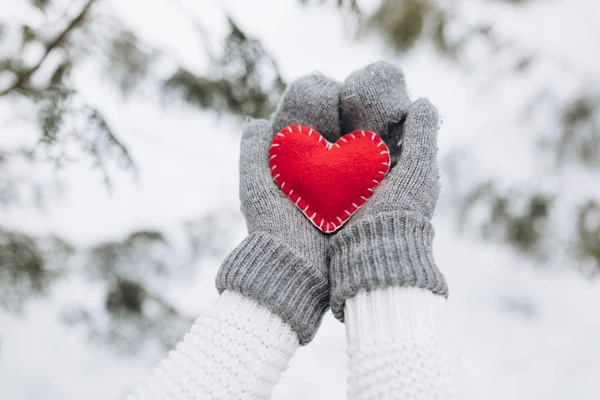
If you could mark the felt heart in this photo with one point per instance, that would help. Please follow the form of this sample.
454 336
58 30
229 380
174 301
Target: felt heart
327 181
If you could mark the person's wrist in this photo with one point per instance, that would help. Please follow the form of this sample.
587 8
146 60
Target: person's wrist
393 314
382 250
271 272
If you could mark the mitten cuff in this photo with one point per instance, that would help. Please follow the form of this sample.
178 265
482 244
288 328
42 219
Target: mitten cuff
389 249
269 271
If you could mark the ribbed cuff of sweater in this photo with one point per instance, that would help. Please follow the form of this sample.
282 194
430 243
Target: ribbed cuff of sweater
389 249
267 270
393 314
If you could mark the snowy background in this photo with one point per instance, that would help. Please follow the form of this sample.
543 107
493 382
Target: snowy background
526 326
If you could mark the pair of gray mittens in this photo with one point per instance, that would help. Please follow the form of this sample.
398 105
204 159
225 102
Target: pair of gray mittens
294 269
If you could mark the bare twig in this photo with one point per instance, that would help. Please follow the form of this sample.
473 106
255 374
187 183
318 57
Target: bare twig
24 76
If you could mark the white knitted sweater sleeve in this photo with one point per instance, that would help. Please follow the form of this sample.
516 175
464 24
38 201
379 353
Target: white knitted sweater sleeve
396 347
236 350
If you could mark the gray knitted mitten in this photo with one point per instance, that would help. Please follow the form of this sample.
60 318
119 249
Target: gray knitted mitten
282 263
388 242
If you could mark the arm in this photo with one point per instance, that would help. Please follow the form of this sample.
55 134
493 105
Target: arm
235 350
274 286
396 346
385 283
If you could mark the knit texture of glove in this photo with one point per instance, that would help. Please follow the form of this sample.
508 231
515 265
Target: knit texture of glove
282 263
388 242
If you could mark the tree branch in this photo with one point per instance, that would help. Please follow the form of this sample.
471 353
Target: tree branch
24 76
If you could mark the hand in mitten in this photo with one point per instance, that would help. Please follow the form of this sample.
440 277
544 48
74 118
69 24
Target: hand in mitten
388 242
282 263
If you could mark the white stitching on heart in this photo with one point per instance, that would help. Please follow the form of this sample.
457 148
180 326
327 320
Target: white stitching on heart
329 146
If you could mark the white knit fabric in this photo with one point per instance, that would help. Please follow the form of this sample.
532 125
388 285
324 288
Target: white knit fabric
396 348
236 350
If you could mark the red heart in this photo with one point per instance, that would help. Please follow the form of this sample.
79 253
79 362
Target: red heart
327 181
